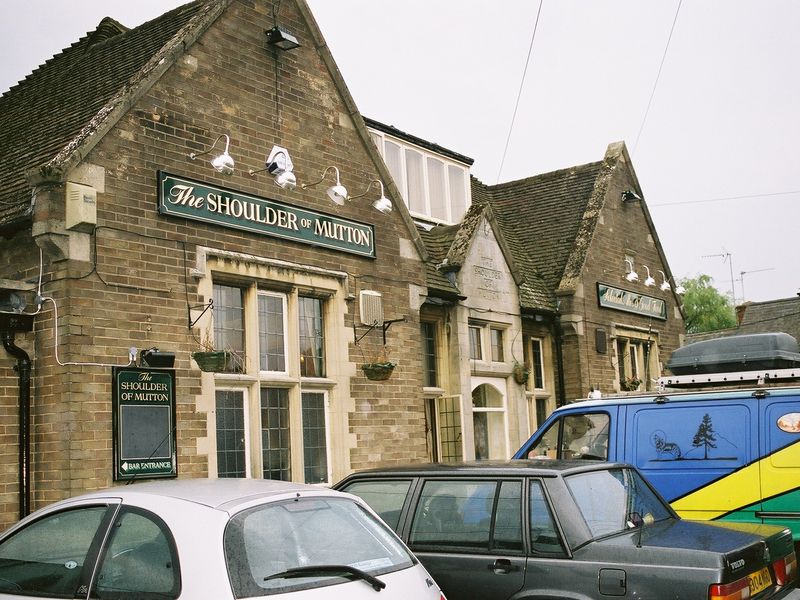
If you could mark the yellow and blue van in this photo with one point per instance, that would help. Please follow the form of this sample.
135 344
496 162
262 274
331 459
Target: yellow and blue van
714 454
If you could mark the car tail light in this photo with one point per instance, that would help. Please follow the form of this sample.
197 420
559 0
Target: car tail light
785 568
441 597
738 590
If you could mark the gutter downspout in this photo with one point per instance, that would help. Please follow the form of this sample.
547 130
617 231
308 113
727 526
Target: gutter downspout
558 334
23 368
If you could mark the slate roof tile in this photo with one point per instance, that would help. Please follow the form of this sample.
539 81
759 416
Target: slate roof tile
46 111
542 214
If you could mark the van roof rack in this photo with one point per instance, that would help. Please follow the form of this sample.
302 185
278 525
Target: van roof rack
733 378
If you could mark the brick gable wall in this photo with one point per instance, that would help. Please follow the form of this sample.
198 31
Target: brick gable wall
622 229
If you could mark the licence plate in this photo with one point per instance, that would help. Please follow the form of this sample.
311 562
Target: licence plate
759 581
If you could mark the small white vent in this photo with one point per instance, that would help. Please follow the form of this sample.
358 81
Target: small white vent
370 306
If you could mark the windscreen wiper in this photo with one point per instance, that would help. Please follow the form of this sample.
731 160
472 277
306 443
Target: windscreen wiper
312 570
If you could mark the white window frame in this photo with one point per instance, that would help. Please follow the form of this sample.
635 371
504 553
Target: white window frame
327 410
633 341
502 347
248 429
438 358
485 330
250 384
499 386
481 352
286 330
380 138
435 404
531 354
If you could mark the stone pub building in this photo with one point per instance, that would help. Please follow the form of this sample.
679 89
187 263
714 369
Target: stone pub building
203 187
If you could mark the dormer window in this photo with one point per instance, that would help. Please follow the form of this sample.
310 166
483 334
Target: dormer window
434 185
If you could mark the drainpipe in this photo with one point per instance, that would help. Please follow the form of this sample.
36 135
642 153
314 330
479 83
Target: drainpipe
558 334
23 368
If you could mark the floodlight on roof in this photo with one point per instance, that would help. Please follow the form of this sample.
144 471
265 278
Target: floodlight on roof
281 38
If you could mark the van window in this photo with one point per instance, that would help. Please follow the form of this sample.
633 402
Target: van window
575 436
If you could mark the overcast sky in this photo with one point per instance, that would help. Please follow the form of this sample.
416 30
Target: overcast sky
705 94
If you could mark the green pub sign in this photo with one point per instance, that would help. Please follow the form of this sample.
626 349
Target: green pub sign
612 297
181 197
143 402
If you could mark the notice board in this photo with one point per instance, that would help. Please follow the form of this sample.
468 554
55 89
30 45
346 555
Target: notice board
143 403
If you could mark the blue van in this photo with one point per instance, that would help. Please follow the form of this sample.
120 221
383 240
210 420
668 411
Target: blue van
731 455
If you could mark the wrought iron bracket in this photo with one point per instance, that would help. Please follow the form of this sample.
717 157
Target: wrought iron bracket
384 326
205 307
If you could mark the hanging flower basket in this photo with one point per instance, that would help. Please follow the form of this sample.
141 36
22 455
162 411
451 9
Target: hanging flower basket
214 362
630 384
520 373
380 371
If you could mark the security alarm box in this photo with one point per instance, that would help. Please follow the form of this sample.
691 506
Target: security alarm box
81 214
370 306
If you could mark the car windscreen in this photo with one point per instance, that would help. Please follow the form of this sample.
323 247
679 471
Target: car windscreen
264 542
614 500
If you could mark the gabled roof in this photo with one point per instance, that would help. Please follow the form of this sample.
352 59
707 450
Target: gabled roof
438 241
53 118
544 225
547 222
448 247
53 114
541 217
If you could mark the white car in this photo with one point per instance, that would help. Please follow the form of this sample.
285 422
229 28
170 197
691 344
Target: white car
209 538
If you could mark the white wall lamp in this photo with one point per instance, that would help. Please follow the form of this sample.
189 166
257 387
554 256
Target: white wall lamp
281 38
279 164
222 163
631 275
649 281
382 204
665 287
337 193
680 290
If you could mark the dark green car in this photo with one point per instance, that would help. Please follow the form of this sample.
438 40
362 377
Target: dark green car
545 529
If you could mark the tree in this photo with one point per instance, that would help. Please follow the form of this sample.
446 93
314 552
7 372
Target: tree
704 307
705 435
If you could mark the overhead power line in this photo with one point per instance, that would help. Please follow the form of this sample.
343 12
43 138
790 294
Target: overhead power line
519 93
746 197
658 76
